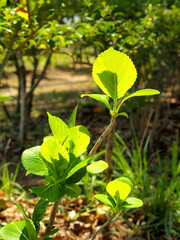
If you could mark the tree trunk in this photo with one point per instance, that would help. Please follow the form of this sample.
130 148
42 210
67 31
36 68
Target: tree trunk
33 78
22 81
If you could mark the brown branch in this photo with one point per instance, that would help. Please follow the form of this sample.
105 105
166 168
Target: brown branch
40 76
52 217
108 154
102 137
29 15
103 226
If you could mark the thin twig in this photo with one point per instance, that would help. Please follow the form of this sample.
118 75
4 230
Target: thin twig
103 226
102 137
109 150
52 217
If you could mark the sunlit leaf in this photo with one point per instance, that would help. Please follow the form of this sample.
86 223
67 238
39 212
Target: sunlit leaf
72 119
14 231
52 149
97 167
118 189
132 202
124 114
29 224
79 140
114 72
58 127
33 161
139 93
104 99
105 199
126 180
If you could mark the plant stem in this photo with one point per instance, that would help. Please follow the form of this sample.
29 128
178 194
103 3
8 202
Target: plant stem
102 137
109 150
52 217
103 226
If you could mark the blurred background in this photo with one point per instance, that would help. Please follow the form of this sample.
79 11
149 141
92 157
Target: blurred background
47 49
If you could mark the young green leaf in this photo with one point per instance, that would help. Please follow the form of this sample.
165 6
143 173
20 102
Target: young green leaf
72 119
132 202
139 93
118 189
124 114
58 127
33 162
97 167
126 180
79 135
14 231
114 72
105 199
102 98
29 224
52 149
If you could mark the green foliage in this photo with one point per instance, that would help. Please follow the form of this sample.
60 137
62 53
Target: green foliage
4 98
115 78
160 195
118 191
39 213
97 167
8 180
58 159
14 231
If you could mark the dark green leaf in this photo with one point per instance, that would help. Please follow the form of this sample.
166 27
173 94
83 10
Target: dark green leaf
51 192
77 176
39 212
80 165
73 190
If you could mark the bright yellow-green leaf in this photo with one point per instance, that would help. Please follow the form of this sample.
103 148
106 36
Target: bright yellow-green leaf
114 72
132 202
139 93
78 140
52 149
58 127
118 189
97 167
